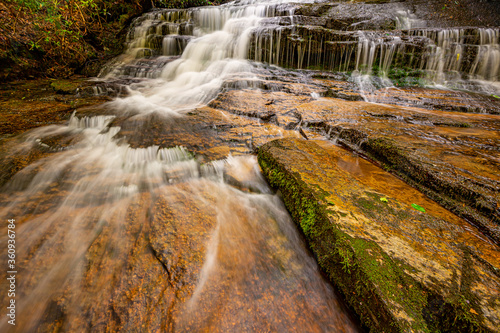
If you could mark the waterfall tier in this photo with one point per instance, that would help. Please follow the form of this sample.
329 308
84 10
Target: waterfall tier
405 52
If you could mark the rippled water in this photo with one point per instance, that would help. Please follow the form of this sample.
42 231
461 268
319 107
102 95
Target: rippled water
113 237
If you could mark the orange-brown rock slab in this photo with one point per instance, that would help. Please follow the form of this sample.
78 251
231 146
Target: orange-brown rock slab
399 268
451 156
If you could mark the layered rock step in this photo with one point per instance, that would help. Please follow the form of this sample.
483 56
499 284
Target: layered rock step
402 262
451 156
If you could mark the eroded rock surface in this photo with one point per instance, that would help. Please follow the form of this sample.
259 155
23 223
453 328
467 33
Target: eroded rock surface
142 248
401 269
451 156
35 103
144 216
124 231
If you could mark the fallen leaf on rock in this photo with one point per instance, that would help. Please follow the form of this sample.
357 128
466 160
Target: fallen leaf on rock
417 207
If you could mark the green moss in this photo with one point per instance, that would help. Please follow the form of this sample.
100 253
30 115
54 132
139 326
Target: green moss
64 86
366 204
463 125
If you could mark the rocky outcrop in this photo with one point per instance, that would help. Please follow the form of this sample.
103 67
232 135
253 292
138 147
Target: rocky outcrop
402 262
450 156
449 160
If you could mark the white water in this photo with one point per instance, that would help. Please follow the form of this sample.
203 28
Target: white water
89 204
222 37
87 192
235 32
101 180
443 63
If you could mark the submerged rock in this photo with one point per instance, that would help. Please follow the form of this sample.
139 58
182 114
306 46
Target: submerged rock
399 268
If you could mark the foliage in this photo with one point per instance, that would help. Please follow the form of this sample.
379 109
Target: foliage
184 3
417 207
51 29
59 37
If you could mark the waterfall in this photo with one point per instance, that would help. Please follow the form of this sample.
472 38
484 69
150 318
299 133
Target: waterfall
191 50
117 236
124 227
463 58
486 65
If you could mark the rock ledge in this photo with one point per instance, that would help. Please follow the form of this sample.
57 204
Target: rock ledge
399 268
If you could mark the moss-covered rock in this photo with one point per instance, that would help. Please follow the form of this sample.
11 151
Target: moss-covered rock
399 268
65 87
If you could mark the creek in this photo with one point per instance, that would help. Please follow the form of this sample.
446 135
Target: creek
150 212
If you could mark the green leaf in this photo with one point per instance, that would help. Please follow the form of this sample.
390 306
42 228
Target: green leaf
495 96
384 199
417 207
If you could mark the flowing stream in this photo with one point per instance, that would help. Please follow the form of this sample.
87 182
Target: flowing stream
121 227
114 237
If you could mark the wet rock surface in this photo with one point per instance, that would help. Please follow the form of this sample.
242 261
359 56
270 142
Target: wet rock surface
166 250
27 105
30 104
432 13
450 156
141 214
401 268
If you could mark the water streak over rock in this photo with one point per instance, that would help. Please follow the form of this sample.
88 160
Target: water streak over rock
149 212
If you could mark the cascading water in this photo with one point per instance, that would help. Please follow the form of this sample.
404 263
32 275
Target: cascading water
466 58
114 237
217 48
121 228
407 54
